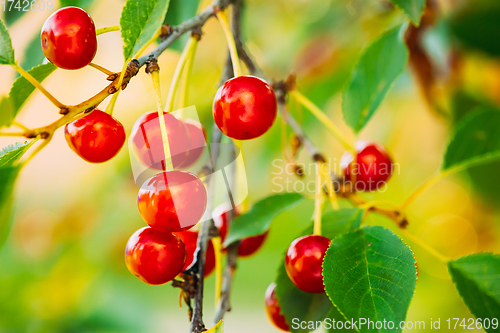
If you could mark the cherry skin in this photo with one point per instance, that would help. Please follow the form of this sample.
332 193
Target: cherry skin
249 245
244 107
68 38
198 140
172 201
147 142
274 310
304 260
155 257
190 239
372 169
96 138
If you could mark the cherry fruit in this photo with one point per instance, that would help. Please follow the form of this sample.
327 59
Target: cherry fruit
190 239
274 310
198 141
147 141
244 107
304 260
155 257
172 201
96 138
372 168
249 245
68 38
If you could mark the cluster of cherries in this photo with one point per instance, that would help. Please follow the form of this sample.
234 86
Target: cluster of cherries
172 202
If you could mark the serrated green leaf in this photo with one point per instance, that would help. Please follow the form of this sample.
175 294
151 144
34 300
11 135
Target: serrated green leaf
477 278
258 219
8 176
476 140
139 22
6 50
219 328
372 76
412 8
21 90
370 273
12 153
296 303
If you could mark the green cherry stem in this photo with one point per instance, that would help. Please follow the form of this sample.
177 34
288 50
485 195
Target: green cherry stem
112 102
323 118
101 31
101 69
221 16
216 241
317 201
155 76
187 53
441 257
38 85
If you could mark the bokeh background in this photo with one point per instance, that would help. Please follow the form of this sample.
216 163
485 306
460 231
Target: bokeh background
62 267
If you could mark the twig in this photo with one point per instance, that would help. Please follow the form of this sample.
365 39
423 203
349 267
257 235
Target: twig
102 69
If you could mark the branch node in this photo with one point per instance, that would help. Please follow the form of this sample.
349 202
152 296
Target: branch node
112 90
112 77
197 33
90 109
64 111
319 158
152 66
44 135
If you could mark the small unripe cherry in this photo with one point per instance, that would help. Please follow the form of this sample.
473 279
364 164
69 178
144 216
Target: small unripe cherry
304 261
244 107
172 201
96 137
190 239
372 169
155 257
69 39
147 140
273 309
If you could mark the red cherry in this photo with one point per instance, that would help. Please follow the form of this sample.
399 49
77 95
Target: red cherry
174 201
96 138
198 137
372 169
249 245
244 107
68 38
190 239
153 256
147 142
304 260
274 310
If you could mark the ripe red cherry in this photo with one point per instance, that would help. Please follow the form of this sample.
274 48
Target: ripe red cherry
190 238
174 201
198 140
96 138
244 107
155 257
372 169
68 38
274 310
304 260
249 245
147 142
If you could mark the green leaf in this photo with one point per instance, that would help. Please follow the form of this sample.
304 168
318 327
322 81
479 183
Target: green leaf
477 278
370 273
372 76
296 303
6 50
412 8
219 328
21 90
12 153
258 219
139 22
476 140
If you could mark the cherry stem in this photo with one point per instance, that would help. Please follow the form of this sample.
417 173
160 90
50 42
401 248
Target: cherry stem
317 201
21 126
426 247
323 118
21 134
184 93
37 149
102 69
155 76
331 190
101 31
221 16
218 268
151 41
186 54
38 85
